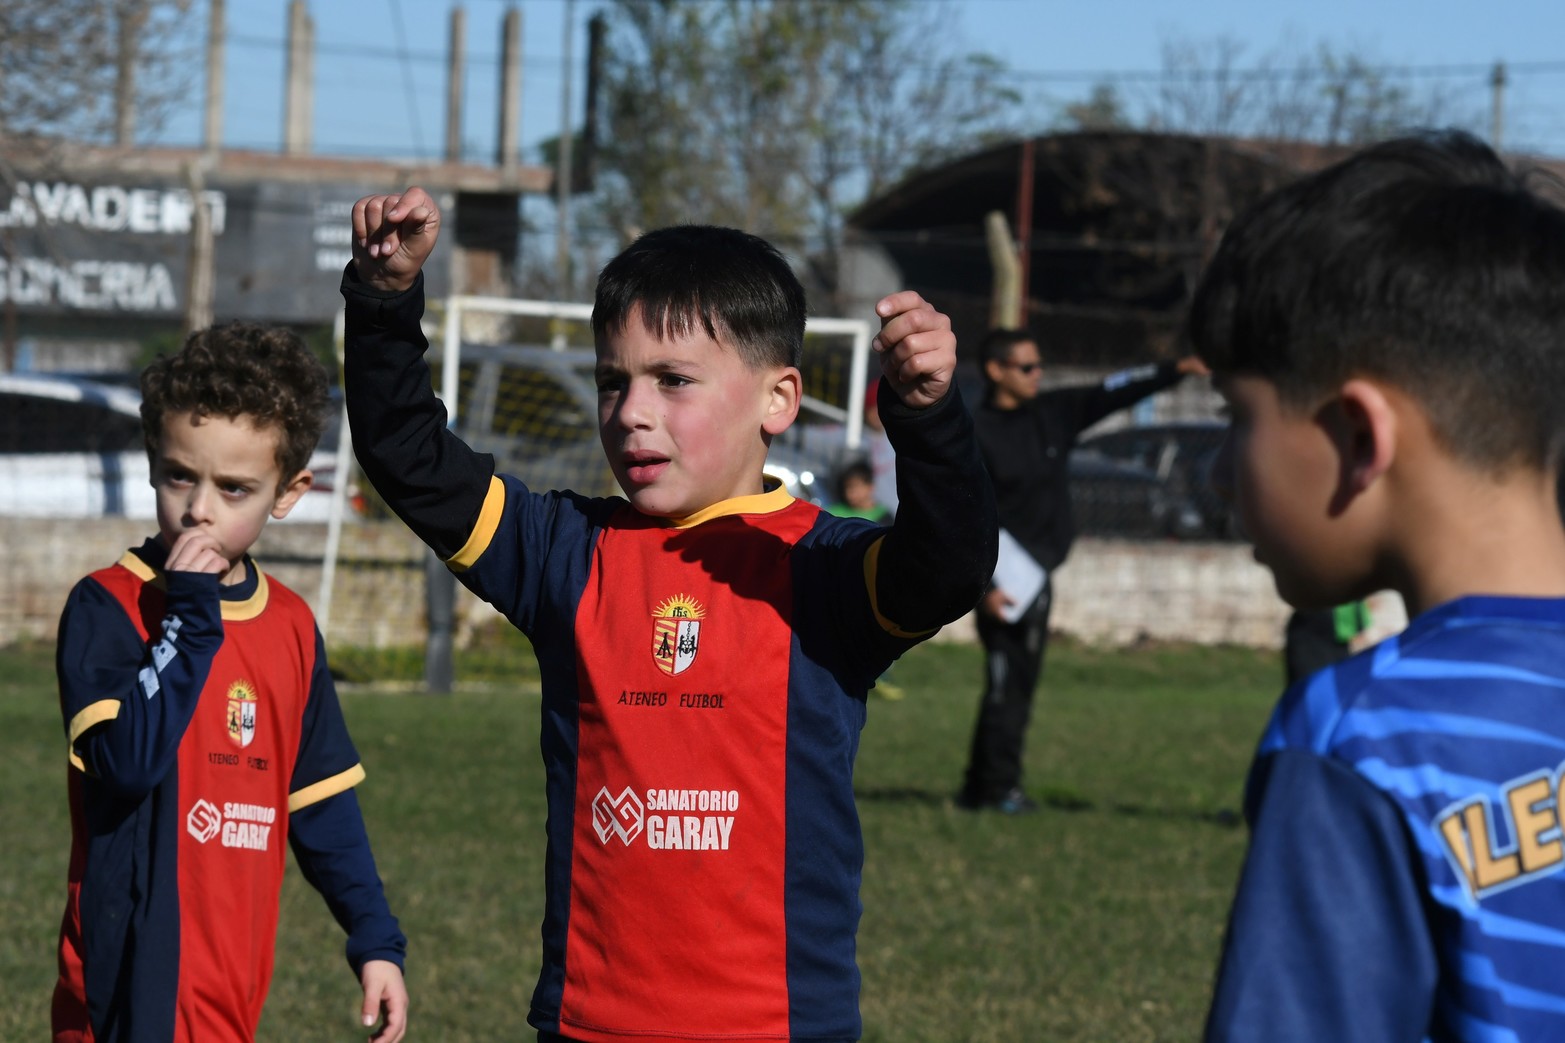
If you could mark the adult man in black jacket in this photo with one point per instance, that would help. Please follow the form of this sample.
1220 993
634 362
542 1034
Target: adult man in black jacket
1026 437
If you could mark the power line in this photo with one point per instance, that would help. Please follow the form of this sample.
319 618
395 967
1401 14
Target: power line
407 75
1257 73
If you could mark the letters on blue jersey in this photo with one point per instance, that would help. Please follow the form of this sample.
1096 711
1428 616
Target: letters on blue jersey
1531 808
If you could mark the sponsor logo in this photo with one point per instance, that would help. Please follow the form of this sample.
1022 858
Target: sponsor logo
676 633
204 821
704 819
241 713
245 826
621 816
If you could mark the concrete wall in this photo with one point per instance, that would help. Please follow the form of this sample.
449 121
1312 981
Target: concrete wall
1110 592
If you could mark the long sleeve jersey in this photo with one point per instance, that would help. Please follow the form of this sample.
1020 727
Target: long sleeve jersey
1027 451
203 729
704 685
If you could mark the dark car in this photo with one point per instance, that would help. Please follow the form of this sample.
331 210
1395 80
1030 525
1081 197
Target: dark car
1151 481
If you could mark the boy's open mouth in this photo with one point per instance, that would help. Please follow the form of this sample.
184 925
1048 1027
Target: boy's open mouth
644 467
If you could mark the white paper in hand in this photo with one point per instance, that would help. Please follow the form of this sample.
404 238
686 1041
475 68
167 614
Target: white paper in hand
1019 575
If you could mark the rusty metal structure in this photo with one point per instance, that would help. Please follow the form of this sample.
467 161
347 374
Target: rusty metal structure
1111 228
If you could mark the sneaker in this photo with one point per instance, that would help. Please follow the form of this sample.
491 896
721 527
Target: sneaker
1013 802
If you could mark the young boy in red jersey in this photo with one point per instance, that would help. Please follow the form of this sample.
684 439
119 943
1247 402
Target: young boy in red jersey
204 726
1389 334
706 642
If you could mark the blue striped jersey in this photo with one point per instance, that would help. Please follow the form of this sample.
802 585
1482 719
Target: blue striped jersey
1404 879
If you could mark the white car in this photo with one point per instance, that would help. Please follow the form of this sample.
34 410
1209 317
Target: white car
72 448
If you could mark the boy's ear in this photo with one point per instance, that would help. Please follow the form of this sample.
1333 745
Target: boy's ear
294 488
1365 428
782 403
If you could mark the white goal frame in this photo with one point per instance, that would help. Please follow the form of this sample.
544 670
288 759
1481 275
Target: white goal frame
860 330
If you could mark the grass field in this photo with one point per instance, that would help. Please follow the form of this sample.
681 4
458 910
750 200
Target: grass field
1099 918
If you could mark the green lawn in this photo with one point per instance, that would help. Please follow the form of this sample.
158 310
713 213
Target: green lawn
1099 918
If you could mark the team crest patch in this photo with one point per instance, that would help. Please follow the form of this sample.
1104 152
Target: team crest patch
676 633
241 713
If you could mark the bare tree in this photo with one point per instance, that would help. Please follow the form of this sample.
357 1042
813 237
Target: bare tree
63 64
774 115
77 72
1329 94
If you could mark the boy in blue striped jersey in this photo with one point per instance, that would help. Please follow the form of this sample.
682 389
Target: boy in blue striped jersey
1389 334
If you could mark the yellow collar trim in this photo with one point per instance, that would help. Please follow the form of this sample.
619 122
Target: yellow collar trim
769 502
233 611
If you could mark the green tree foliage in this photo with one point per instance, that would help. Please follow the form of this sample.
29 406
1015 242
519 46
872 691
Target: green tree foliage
774 115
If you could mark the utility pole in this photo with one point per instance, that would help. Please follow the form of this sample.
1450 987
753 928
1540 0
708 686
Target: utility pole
199 285
1497 118
508 148
454 76
132 18
212 130
562 176
299 103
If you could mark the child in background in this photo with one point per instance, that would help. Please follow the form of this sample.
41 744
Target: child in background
1389 334
856 494
204 727
856 499
705 642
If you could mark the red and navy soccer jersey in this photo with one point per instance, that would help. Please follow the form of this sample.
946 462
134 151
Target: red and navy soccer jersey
703 683
1406 873
197 725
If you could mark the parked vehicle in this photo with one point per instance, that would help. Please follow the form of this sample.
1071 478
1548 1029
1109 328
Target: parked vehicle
72 448
1151 481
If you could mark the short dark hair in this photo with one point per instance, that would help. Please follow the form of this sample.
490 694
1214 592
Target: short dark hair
857 467
263 373
735 286
1423 262
997 344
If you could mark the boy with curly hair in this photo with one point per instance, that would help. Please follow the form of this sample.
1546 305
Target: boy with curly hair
203 726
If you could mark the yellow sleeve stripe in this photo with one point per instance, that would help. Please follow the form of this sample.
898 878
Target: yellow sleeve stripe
871 568
319 791
483 529
92 715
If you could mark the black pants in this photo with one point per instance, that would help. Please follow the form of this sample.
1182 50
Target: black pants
1013 662
1310 643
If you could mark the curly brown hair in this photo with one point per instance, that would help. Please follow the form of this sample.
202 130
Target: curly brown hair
265 374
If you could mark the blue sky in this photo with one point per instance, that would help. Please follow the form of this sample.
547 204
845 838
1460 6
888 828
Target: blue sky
1055 48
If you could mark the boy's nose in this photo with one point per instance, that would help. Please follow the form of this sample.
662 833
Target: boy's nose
634 409
198 508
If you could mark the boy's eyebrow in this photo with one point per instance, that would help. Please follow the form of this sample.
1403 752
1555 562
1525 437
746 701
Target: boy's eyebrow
166 460
665 365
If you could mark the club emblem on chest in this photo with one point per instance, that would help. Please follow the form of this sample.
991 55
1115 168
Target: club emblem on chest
241 713
676 633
